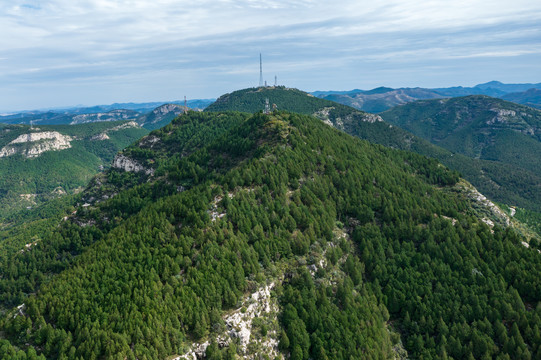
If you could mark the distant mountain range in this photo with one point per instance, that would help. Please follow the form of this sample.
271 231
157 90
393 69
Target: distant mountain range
384 98
139 112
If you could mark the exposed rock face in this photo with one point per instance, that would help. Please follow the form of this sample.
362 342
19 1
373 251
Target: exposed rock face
125 163
161 113
341 123
167 108
113 115
239 326
497 213
131 124
36 144
100 137
149 141
104 136
502 115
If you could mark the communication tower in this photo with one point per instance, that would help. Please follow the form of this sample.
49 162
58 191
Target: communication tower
185 105
267 106
260 71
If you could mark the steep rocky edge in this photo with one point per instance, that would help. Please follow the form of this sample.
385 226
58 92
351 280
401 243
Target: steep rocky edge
34 144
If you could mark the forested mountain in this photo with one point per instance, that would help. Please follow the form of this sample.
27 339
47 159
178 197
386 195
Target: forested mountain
40 164
351 248
479 127
505 182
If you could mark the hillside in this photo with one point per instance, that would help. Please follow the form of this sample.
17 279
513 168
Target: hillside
40 164
502 182
476 126
530 97
160 116
274 234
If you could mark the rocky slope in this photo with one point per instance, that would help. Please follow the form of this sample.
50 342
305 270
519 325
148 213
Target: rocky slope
33 144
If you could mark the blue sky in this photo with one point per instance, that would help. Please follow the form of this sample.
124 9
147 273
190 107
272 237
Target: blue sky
65 52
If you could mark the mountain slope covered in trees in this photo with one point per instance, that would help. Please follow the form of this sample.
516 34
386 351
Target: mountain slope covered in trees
39 164
505 182
483 128
363 245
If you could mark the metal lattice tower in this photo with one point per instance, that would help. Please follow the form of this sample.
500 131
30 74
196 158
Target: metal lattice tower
260 71
275 80
185 105
267 106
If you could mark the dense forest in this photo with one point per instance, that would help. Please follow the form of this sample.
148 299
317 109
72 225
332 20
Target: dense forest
509 173
370 249
504 134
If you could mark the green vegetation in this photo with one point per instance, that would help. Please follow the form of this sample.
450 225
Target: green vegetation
508 172
236 199
29 182
502 138
531 219
253 100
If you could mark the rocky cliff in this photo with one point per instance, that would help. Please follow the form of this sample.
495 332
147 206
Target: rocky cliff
34 144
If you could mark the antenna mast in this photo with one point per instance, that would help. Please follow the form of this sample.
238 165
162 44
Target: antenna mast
260 71
185 105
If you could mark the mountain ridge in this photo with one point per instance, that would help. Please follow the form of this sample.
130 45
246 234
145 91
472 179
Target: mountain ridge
362 243
507 183
383 98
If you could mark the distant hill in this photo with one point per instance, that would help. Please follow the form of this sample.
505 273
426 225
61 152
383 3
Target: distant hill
384 98
160 116
507 88
506 182
480 127
41 163
381 99
531 97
